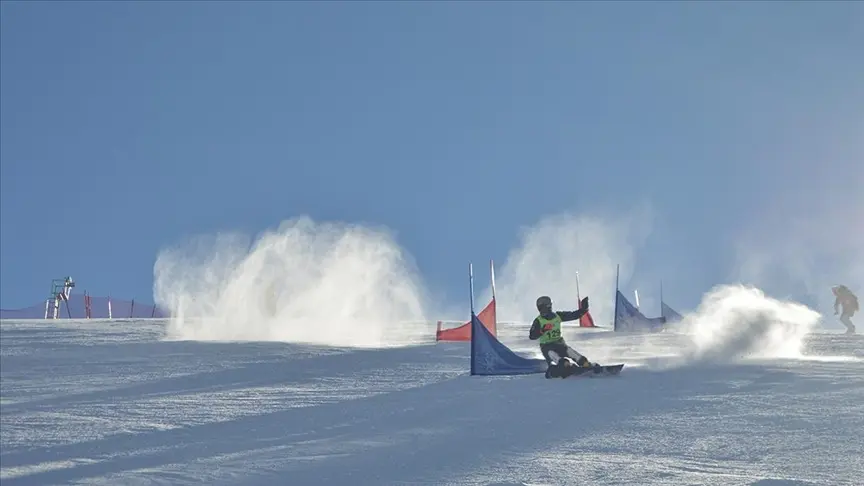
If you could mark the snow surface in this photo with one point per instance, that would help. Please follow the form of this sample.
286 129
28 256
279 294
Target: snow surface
108 403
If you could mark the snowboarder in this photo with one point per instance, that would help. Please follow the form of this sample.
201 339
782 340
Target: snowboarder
849 301
546 329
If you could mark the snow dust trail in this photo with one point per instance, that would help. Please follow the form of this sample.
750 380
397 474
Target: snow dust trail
590 245
324 283
736 322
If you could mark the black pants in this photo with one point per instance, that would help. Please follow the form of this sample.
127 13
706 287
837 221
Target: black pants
554 351
846 319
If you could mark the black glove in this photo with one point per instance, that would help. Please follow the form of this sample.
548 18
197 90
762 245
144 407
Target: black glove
583 304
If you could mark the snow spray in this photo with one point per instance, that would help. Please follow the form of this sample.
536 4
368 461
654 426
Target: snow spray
330 284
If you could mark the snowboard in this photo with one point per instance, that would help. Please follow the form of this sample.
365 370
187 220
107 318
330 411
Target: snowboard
561 371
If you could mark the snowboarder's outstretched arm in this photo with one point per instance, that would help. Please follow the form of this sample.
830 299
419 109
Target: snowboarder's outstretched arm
567 316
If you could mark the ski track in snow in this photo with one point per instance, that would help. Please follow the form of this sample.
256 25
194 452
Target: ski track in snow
106 403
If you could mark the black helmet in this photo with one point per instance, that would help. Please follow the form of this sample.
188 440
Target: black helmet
544 304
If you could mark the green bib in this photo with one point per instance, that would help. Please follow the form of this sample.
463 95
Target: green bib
551 329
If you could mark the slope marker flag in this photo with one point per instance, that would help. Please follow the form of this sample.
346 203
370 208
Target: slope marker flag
488 317
586 320
489 356
628 318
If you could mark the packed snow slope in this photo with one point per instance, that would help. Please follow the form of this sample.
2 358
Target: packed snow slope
108 403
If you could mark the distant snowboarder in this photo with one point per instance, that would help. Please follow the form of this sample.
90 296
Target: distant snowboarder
849 302
546 329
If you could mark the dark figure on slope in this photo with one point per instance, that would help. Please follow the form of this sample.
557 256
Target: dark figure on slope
546 329
849 302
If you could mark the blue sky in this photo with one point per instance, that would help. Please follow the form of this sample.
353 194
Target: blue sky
453 124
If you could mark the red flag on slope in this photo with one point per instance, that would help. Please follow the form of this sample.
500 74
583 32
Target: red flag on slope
463 333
